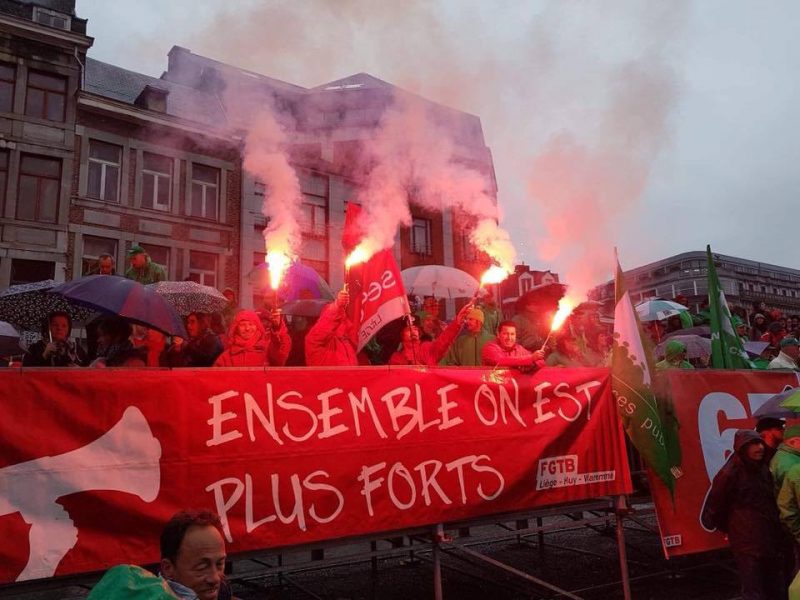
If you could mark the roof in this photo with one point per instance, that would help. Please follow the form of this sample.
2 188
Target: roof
353 82
120 84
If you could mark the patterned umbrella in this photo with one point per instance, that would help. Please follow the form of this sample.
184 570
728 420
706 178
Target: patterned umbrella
26 305
189 296
658 310
124 297
440 281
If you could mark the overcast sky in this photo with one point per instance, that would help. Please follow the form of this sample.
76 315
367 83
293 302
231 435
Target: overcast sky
657 127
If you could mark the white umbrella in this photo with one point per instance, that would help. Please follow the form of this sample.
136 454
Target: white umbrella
440 281
9 340
658 310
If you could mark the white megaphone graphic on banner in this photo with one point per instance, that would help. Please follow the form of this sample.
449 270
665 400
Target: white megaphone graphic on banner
124 459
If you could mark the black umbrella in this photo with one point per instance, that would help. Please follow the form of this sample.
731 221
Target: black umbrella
124 297
774 406
27 305
311 307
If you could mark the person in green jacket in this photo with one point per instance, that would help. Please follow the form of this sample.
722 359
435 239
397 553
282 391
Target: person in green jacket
675 357
466 349
785 469
143 269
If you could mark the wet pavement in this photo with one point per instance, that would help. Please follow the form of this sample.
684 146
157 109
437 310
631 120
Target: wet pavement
580 559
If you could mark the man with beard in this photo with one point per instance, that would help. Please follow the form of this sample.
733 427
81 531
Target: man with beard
741 504
466 350
415 351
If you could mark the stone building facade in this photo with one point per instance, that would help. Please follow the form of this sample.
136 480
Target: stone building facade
746 283
95 158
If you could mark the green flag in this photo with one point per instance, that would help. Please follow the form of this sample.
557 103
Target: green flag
727 350
648 420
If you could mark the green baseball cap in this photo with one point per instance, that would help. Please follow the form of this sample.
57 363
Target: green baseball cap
136 249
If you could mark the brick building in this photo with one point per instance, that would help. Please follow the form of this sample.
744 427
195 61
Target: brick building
95 158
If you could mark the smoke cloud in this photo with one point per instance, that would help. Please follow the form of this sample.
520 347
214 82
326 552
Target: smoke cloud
576 99
416 159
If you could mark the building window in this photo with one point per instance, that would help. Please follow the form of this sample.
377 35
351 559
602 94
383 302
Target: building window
105 161
314 216
3 178
315 255
468 250
46 96
314 208
8 77
203 268
39 183
51 18
93 249
156 181
158 254
421 236
205 192
29 271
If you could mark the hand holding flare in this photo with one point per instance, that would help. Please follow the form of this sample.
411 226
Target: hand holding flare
565 308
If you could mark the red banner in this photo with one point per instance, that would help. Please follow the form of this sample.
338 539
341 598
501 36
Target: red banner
711 406
380 298
93 462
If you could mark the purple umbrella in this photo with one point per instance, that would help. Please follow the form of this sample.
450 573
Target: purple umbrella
124 297
300 282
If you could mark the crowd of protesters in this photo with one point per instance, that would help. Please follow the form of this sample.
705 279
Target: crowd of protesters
771 338
754 501
480 335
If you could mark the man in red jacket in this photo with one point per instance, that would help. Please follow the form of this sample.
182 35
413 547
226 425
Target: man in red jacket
506 352
329 343
417 352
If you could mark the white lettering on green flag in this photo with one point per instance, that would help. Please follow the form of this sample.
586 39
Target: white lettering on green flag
646 419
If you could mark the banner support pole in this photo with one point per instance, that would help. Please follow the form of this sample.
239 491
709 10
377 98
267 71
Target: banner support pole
438 537
621 508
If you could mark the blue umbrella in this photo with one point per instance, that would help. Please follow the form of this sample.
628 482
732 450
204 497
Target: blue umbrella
775 407
124 297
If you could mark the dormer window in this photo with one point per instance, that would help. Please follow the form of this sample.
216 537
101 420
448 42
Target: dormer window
153 98
51 18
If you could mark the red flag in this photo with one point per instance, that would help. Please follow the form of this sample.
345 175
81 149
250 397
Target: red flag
376 287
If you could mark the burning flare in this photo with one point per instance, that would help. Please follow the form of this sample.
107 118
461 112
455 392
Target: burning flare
565 308
494 274
278 263
359 255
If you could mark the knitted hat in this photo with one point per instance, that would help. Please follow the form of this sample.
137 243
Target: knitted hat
673 349
765 423
475 313
789 341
